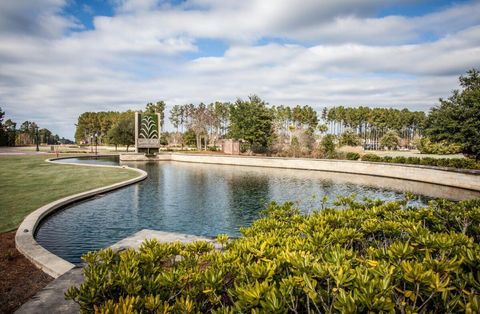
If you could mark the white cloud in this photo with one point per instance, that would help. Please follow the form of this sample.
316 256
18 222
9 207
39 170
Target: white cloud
51 75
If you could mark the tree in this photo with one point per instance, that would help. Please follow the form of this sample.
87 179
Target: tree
323 128
295 148
390 140
457 119
2 116
45 136
350 138
372 123
10 128
200 119
189 138
174 117
252 121
123 132
327 146
3 133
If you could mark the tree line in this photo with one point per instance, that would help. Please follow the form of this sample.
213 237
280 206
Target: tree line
299 130
112 127
28 133
263 128
371 124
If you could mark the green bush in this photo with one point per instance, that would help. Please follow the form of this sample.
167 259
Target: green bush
371 157
368 257
350 138
387 159
425 146
214 148
460 163
327 146
352 156
428 161
399 160
390 140
466 163
245 147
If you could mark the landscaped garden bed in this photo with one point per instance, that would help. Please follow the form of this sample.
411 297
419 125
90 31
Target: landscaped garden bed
366 256
20 279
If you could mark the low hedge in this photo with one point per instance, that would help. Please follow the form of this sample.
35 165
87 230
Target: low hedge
460 163
369 257
352 156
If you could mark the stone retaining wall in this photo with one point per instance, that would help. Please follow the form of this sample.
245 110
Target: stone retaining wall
464 179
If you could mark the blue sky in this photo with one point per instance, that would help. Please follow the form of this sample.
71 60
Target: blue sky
59 58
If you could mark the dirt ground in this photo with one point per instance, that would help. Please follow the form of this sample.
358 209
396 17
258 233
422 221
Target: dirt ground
19 279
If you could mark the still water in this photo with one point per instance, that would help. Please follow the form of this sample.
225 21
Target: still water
205 200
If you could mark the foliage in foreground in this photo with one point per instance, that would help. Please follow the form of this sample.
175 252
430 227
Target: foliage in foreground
372 256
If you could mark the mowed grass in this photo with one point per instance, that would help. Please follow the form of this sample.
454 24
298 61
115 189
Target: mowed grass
28 182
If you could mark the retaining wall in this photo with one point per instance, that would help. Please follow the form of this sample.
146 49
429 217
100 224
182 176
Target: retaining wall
460 178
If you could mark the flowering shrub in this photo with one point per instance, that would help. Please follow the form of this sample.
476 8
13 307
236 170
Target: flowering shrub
369 257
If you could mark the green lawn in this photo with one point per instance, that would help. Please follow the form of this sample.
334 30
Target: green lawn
28 182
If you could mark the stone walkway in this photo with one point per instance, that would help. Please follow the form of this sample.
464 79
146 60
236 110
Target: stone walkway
51 298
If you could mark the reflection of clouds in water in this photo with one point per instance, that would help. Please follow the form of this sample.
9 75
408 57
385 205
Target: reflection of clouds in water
206 200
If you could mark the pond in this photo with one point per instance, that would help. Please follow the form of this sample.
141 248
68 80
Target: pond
205 199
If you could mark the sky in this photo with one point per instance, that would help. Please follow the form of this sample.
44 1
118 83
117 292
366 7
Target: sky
60 58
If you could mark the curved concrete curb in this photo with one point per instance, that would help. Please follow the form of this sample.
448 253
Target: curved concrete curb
24 238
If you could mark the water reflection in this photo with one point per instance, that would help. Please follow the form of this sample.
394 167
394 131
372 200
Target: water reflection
209 199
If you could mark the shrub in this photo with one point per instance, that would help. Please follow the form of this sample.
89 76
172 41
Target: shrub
245 147
425 146
466 163
352 156
371 157
428 161
350 138
327 146
387 159
443 162
390 140
412 160
399 160
461 163
369 257
189 138
214 148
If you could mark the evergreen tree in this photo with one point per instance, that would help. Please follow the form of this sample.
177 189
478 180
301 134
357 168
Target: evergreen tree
457 119
252 121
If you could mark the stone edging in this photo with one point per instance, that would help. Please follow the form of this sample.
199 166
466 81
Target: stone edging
24 238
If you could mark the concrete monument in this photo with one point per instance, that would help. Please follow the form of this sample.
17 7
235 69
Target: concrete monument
147 133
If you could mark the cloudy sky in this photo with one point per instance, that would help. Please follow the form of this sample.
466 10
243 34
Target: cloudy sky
59 58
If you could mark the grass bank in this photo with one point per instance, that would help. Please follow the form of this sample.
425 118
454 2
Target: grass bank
28 182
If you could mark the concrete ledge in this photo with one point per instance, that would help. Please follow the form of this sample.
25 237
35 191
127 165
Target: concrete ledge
134 241
142 157
459 178
24 238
